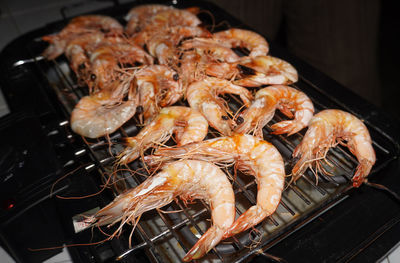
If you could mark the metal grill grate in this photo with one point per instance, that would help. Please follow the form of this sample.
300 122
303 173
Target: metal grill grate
167 237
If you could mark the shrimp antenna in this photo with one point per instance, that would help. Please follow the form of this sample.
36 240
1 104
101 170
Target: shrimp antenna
89 195
270 257
384 188
63 177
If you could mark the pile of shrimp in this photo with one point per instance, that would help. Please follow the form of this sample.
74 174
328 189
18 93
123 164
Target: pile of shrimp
165 58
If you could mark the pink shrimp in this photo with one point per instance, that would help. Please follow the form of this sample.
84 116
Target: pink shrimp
104 112
163 44
158 86
262 109
252 155
139 16
255 43
327 129
255 71
187 179
107 60
77 51
213 49
187 124
76 27
203 96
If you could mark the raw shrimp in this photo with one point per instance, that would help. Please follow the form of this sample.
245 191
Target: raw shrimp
187 179
284 98
187 124
203 96
104 112
158 86
255 43
327 129
252 155
107 59
255 71
77 26
139 16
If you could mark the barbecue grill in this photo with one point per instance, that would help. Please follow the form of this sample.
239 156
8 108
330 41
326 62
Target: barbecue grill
324 221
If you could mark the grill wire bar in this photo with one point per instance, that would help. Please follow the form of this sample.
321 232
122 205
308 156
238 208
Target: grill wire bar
300 203
240 187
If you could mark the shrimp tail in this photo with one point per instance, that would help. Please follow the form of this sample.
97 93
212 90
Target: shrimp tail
110 214
361 173
251 217
301 165
207 241
56 47
290 127
130 205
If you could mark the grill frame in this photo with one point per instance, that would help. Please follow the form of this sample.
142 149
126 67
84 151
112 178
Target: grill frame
276 51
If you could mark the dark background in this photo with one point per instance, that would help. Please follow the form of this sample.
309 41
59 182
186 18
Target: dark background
264 16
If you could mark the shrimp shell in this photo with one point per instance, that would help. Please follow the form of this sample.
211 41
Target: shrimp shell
327 129
280 97
187 179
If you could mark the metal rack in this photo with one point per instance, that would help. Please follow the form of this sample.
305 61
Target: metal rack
301 202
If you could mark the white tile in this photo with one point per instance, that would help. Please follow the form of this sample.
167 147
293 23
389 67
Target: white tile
18 7
394 255
32 20
8 31
62 257
86 7
4 257
3 110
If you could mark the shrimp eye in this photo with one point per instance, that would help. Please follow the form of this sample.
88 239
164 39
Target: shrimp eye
139 109
92 76
82 66
179 64
224 117
176 77
239 120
